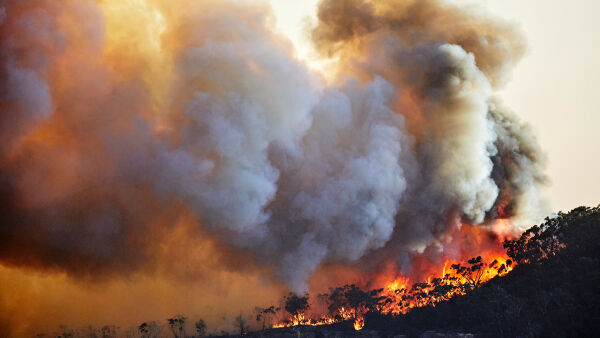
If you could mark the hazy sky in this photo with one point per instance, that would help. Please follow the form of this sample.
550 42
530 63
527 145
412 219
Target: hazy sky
555 88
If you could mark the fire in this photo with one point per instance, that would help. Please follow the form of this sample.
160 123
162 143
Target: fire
444 269
427 284
301 320
455 278
125 115
397 284
359 323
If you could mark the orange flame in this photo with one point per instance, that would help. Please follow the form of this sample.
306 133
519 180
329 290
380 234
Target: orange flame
440 282
359 323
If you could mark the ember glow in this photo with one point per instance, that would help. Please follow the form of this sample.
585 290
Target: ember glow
183 144
402 293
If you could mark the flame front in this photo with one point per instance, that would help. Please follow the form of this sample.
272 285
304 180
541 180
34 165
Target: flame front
396 299
433 291
359 323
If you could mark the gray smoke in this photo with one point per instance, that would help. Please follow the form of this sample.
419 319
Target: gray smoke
270 159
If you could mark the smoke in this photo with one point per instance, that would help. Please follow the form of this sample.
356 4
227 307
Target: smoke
119 117
445 62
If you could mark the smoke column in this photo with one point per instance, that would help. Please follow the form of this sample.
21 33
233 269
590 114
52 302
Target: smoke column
122 119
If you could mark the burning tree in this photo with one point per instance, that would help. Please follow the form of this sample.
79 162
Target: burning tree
442 289
574 232
296 306
457 280
537 243
350 302
472 273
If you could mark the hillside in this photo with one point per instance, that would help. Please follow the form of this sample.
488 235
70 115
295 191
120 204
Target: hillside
554 291
549 287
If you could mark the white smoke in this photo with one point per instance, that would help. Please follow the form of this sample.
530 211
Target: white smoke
268 157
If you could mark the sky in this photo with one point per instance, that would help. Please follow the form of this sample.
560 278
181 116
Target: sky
554 88
154 256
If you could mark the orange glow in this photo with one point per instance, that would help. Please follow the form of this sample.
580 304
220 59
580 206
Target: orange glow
441 282
109 183
397 291
399 300
359 323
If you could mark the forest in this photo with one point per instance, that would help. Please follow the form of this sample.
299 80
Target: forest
549 287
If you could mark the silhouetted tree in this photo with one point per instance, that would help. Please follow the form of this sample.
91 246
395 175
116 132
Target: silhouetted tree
552 291
442 289
177 325
471 273
143 328
500 268
350 301
109 331
200 328
295 305
575 231
264 315
241 323
149 329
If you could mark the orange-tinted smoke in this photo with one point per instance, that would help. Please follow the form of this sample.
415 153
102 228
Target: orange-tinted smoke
147 145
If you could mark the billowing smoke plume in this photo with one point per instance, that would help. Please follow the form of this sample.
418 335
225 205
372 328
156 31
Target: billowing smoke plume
120 115
474 162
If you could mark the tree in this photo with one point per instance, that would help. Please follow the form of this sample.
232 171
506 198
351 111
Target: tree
200 328
500 268
264 315
296 306
149 329
143 328
241 323
473 273
177 325
109 331
575 232
349 301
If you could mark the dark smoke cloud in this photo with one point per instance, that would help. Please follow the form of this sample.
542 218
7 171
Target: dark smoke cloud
445 62
105 142
496 45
